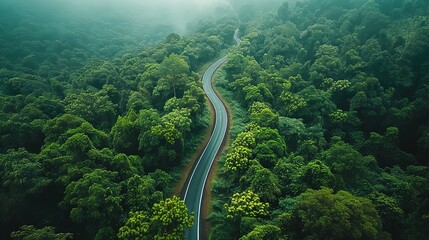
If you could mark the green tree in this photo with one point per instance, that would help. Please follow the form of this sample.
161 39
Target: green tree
313 175
94 200
246 203
54 128
170 218
124 135
385 149
99 73
263 232
139 192
266 185
95 108
30 232
237 160
347 164
78 145
291 103
261 114
321 214
21 173
172 71
98 138
327 64
137 226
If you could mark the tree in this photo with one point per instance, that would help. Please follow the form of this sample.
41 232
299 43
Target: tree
293 130
291 103
95 108
263 232
30 232
266 185
21 173
390 213
137 226
285 170
321 214
245 139
261 114
385 149
246 203
94 200
272 139
170 218
172 72
124 135
167 220
139 193
99 73
283 11
98 138
327 64
318 105
237 159
313 175
54 128
139 101
78 145
193 99
347 164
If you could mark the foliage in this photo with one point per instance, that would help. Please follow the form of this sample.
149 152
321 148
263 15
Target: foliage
336 93
322 214
167 220
29 232
96 112
246 203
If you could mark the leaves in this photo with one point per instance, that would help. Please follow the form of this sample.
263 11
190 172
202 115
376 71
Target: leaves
246 203
320 213
30 232
167 220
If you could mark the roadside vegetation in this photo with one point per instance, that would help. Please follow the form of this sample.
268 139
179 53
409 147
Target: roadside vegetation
336 141
95 126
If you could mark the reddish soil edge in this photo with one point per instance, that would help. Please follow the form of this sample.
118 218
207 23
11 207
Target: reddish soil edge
207 195
187 170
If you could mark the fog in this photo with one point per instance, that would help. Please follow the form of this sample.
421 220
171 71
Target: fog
178 14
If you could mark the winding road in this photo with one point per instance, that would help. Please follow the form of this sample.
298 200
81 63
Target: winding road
194 187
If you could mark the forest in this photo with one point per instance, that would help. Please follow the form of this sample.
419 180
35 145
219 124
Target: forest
97 115
100 112
334 143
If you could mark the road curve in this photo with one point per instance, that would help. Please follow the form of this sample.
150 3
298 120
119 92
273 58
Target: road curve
194 187
236 38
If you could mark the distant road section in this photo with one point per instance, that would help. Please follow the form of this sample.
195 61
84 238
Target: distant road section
194 187
237 40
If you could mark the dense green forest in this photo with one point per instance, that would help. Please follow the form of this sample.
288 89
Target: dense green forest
101 109
336 145
97 114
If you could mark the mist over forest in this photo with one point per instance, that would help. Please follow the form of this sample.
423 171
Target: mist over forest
103 113
176 14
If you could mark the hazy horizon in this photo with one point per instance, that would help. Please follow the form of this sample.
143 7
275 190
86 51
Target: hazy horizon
176 13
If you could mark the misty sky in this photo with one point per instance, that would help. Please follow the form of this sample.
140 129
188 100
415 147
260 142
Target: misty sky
177 13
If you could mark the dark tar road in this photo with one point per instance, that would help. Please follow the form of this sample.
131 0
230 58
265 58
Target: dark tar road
194 187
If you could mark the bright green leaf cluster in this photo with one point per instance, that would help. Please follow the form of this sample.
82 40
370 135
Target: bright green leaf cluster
246 203
292 102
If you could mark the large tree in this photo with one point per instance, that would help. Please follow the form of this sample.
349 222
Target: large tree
167 220
322 214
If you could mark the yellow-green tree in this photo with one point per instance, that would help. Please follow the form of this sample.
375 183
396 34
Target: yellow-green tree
167 220
238 158
136 227
246 204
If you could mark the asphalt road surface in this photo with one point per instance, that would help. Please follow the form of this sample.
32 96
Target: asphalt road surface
194 188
